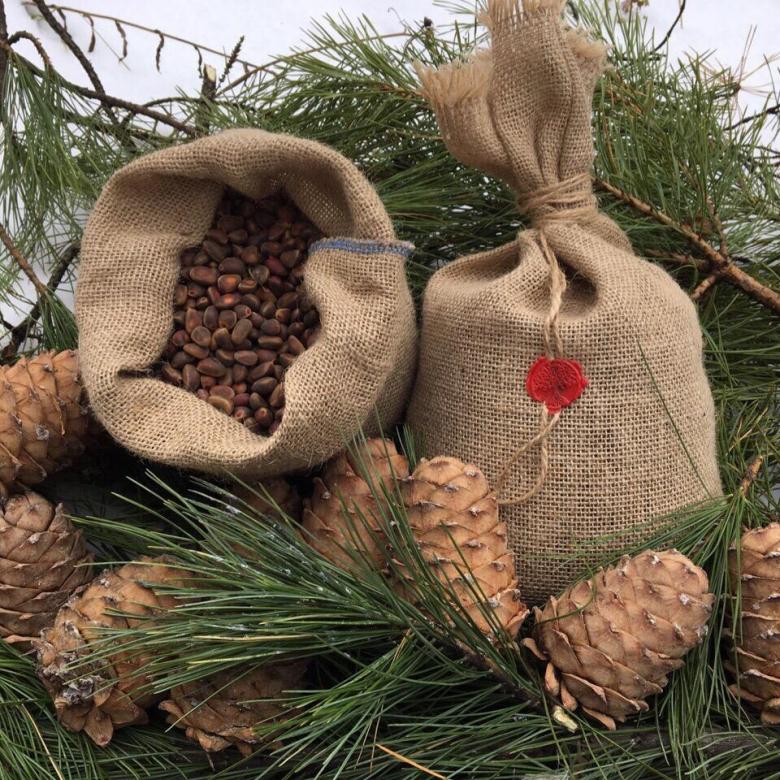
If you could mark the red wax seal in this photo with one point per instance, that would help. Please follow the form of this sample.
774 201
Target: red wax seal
557 383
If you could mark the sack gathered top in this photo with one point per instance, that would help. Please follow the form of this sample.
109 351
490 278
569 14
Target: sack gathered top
564 366
357 374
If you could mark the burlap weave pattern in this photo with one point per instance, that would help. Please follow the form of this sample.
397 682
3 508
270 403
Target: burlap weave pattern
149 211
640 441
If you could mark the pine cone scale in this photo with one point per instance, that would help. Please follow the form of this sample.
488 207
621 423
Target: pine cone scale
455 522
343 517
43 559
43 418
221 711
754 571
101 696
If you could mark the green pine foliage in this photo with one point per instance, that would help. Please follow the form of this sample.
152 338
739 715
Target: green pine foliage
397 689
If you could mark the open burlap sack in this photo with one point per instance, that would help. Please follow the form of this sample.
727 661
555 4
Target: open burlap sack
640 439
153 208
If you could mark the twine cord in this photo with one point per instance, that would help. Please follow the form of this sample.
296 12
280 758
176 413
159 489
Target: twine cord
566 200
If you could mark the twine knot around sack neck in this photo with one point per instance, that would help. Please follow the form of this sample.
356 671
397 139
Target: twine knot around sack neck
569 199
572 200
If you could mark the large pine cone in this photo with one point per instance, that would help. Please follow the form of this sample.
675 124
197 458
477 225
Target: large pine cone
43 559
342 514
454 518
43 417
99 696
755 575
611 641
221 711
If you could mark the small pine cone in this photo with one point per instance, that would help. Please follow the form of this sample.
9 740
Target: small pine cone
100 695
755 575
43 417
342 514
454 518
611 641
220 711
43 560
283 496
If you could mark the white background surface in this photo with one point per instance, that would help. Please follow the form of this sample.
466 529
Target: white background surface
272 27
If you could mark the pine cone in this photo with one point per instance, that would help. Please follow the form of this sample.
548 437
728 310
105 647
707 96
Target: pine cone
282 494
43 417
99 696
611 641
219 711
454 518
755 575
43 559
342 514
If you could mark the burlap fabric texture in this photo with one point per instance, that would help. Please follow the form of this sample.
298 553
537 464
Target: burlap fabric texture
640 441
361 367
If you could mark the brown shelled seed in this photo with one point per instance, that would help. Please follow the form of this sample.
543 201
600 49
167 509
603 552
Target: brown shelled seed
240 318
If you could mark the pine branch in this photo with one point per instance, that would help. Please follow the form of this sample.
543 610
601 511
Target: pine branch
723 267
22 262
329 47
120 24
770 111
18 334
82 58
111 100
713 277
24 35
679 260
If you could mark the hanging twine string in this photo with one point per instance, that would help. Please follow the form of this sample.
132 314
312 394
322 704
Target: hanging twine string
569 200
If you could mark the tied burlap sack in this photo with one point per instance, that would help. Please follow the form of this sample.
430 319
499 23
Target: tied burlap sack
360 368
640 439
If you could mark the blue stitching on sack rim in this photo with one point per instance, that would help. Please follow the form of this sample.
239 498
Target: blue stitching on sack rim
363 246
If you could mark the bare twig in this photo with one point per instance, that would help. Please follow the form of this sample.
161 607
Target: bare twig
750 475
67 39
669 32
123 36
772 110
22 262
678 259
158 50
18 334
127 105
140 133
701 289
121 23
23 34
406 760
717 274
719 264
